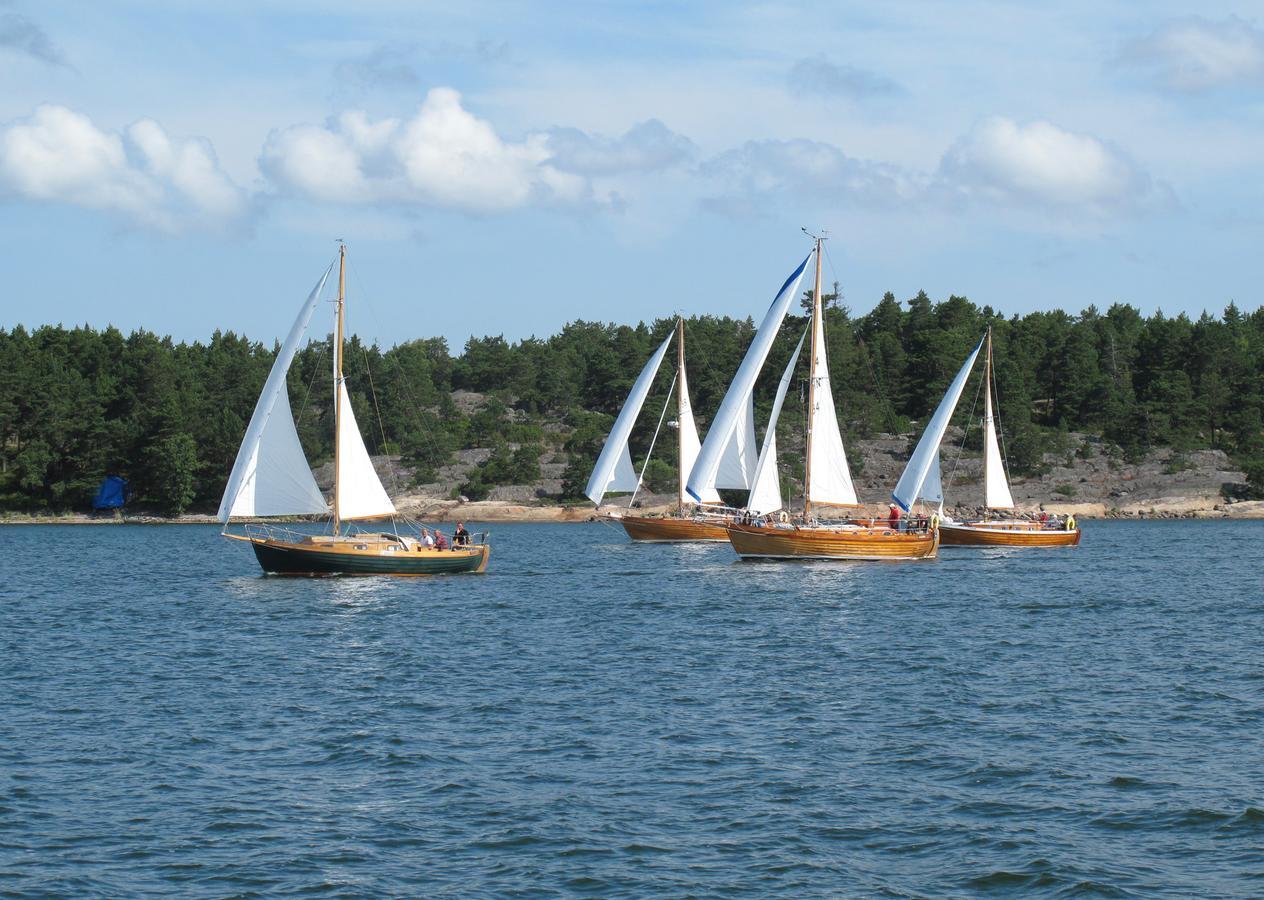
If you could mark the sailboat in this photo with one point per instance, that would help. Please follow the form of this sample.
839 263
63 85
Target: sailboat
700 519
1005 532
271 477
827 478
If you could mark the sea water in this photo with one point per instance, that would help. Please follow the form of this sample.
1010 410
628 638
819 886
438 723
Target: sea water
594 717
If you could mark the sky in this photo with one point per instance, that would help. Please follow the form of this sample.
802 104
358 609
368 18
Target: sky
504 168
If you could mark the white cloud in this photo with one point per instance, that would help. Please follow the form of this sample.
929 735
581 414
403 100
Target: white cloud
645 147
1195 54
58 155
442 157
761 173
1041 165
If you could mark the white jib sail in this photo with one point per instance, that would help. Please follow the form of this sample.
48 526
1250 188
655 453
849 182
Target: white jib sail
736 401
932 491
616 444
741 456
687 434
831 478
360 491
271 476
765 496
926 454
995 485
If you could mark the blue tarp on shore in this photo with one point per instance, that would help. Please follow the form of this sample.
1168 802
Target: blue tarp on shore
112 493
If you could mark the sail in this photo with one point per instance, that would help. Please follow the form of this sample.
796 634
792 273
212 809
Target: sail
765 496
831 478
616 444
740 392
911 482
995 486
737 465
360 491
932 486
687 433
270 476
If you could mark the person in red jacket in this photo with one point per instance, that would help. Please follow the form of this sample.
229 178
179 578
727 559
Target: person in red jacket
894 518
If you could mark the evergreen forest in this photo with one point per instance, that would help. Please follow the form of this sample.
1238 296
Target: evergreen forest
79 403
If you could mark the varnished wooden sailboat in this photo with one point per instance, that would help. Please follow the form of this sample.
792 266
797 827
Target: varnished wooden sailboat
271 477
1011 532
827 478
701 520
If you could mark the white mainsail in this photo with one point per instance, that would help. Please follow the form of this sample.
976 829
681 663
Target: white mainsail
740 393
765 496
995 485
606 472
933 486
831 478
926 454
271 476
360 491
687 434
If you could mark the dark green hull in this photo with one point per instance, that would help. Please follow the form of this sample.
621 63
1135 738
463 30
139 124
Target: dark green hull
287 561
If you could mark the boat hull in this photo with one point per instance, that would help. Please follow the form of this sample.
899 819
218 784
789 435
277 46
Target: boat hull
982 534
281 558
770 542
672 530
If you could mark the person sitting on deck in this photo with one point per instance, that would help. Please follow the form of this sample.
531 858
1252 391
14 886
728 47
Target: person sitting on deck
426 542
893 518
460 537
440 542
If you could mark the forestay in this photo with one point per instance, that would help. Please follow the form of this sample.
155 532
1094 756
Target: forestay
271 476
605 475
737 401
926 454
765 496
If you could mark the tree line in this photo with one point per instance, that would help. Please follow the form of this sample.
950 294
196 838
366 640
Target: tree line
79 403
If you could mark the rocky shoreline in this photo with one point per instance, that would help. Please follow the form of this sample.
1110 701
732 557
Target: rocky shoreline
1083 478
495 511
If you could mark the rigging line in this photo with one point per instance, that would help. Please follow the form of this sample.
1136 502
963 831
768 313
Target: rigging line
877 382
970 418
833 271
410 400
320 356
653 440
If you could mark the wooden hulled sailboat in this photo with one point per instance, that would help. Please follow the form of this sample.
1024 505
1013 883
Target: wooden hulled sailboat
827 477
702 519
271 477
1004 532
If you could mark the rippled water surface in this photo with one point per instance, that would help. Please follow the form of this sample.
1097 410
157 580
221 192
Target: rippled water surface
594 717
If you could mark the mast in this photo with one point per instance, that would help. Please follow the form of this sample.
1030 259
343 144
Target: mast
681 474
816 325
342 295
987 398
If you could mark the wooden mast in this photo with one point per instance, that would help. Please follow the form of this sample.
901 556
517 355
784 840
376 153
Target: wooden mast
989 420
342 294
816 324
680 417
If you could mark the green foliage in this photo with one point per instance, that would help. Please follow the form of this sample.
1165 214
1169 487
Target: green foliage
1065 490
504 466
77 403
170 470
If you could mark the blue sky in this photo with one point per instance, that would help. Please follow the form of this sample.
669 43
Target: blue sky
507 167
